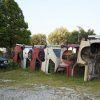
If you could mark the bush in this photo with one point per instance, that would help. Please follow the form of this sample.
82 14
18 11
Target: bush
12 65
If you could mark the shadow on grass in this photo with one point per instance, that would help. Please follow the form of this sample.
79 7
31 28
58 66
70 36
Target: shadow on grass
11 66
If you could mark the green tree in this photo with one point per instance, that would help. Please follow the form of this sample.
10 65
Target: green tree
38 39
72 38
13 28
76 36
58 36
2 23
84 34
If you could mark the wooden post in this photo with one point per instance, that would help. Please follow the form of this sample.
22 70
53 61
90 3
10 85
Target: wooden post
86 73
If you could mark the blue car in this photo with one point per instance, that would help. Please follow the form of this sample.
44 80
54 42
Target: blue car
3 62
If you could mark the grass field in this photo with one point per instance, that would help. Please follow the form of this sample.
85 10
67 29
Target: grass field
24 78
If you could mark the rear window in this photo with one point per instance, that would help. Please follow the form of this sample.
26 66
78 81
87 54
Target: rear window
57 52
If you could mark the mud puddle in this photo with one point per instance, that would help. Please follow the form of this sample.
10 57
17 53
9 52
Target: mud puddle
43 92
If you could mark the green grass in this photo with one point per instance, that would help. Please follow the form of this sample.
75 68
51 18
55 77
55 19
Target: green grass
24 78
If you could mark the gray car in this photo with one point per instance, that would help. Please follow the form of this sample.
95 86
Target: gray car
3 62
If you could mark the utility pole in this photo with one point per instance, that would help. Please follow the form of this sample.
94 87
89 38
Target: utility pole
78 38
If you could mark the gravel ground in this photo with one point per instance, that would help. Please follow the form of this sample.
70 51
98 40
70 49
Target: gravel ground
43 92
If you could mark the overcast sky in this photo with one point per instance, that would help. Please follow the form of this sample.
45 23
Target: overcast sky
43 16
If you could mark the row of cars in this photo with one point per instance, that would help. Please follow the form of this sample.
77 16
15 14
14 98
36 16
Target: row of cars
75 59
49 59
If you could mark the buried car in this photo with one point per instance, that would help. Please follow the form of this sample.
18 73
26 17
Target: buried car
3 62
52 59
20 54
88 60
24 56
16 54
68 58
35 57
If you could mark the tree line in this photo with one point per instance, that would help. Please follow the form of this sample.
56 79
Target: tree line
14 29
62 36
